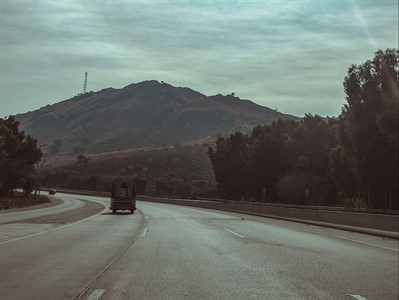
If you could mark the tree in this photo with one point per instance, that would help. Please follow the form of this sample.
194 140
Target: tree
302 188
354 156
245 165
229 165
342 171
314 138
18 154
370 121
182 189
29 185
270 156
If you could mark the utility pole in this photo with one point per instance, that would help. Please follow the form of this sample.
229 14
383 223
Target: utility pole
85 84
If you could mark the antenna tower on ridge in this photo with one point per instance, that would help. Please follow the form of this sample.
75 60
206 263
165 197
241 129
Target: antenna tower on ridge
85 84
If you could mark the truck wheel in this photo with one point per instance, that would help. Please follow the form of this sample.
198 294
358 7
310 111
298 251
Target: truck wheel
114 211
132 211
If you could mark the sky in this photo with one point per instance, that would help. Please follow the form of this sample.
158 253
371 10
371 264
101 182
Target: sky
289 55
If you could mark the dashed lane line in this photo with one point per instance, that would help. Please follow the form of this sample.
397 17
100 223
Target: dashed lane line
144 232
235 233
96 294
358 297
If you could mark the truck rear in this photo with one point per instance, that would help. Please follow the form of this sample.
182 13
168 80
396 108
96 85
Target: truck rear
123 196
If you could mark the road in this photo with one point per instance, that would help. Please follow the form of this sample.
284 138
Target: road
173 252
69 203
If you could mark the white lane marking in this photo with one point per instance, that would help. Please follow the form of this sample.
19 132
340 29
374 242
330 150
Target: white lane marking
144 232
57 228
358 297
235 233
96 295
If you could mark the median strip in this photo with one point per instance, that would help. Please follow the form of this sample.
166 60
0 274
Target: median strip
36 226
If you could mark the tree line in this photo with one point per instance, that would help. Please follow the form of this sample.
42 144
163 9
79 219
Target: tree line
19 154
348 160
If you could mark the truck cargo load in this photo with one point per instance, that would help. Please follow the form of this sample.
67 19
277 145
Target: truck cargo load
123 196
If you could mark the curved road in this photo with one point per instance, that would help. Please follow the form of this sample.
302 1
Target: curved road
173 252
70 202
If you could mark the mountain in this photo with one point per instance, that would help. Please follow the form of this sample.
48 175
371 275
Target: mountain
146 114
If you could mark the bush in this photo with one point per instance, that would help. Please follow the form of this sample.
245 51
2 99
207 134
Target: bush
353 202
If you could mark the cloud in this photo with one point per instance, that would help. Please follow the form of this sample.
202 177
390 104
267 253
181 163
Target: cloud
290 55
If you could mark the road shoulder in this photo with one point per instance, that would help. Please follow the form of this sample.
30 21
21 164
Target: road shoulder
33 226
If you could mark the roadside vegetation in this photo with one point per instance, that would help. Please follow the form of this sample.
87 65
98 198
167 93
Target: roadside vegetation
350 160
19 154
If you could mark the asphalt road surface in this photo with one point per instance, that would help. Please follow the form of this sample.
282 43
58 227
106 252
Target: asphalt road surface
174 252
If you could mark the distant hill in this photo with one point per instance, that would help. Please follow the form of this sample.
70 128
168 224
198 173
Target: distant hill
146 114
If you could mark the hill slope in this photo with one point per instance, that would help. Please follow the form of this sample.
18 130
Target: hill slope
145 114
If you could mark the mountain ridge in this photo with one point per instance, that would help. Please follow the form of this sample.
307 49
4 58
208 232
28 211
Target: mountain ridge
144 114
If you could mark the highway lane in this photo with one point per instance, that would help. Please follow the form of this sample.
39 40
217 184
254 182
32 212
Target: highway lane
187 253
59 263
176 252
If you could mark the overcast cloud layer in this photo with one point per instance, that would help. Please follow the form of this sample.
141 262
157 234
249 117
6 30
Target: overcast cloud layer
286 55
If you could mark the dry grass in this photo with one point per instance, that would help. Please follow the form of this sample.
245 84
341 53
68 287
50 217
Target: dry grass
178 162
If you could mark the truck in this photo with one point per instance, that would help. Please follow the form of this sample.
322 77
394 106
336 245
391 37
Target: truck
123 196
